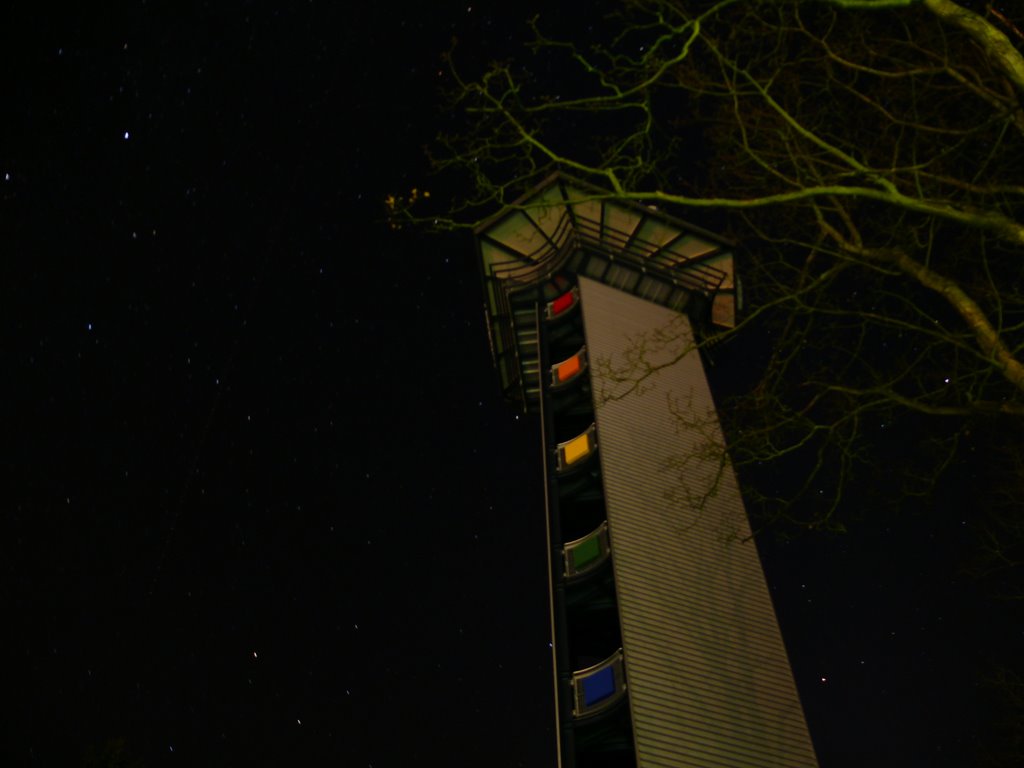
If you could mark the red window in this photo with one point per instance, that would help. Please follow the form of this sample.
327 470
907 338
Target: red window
562 303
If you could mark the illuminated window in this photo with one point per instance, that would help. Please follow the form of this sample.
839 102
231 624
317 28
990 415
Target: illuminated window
587 553
567 370
598 687
573 452
561 305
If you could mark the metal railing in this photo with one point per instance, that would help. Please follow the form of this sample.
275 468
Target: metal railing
571 234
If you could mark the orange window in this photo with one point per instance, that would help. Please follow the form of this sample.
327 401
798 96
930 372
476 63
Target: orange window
568 369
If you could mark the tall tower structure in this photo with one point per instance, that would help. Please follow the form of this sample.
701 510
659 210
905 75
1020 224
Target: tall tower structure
666 648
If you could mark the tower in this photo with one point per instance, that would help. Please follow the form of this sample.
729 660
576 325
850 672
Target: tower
666 648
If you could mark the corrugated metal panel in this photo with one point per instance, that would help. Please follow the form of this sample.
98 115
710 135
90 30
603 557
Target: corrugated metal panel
709 680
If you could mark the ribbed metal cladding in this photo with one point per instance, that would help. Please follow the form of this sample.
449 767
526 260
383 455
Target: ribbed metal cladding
708 677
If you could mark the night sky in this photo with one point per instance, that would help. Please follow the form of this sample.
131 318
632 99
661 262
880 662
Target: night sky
263 503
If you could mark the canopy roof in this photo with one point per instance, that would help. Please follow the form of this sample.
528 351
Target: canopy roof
566 226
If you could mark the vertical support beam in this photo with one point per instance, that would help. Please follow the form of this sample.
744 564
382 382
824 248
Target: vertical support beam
710 685
564 736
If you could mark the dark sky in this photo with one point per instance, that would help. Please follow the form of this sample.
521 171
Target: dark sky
263 503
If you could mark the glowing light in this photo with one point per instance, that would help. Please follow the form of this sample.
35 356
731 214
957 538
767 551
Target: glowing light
562 303
586 552
568 369
576 449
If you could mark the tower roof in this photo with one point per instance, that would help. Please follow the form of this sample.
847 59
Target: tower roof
564 226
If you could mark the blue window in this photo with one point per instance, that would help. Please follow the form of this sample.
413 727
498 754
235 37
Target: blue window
598 687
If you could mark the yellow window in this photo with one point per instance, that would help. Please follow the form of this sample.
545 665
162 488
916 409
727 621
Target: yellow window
576 449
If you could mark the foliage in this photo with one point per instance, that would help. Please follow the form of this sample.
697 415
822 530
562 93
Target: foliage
867 154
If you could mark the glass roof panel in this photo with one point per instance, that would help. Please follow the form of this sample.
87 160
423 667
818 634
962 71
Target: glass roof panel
691 247
723 310
724 262
620 219
516 231
654 234
582 207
